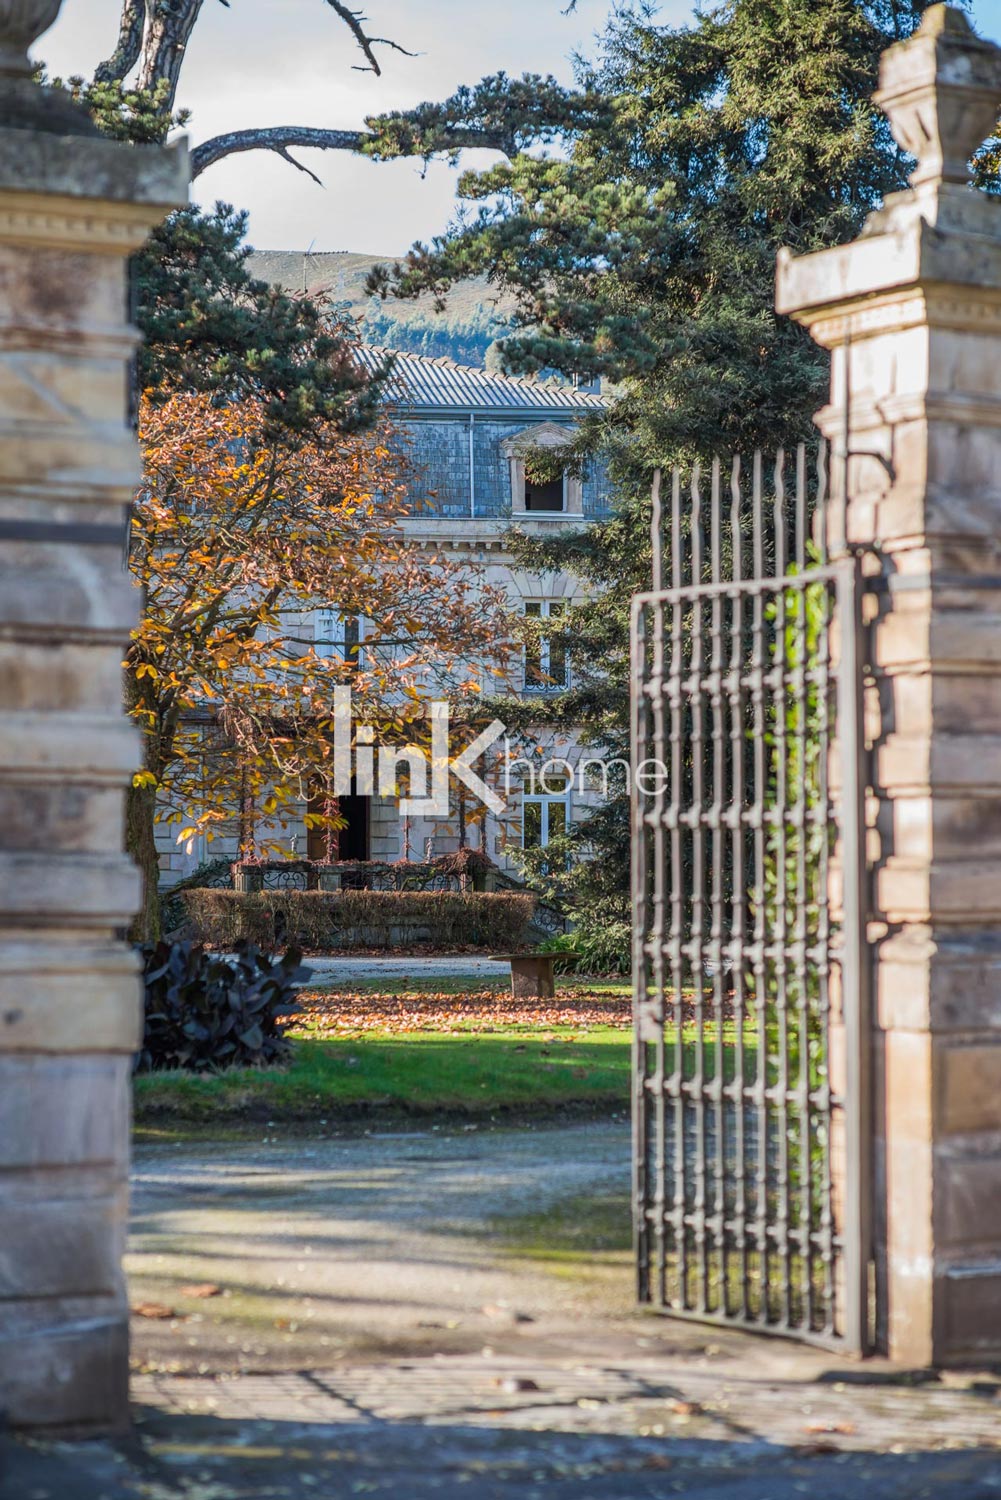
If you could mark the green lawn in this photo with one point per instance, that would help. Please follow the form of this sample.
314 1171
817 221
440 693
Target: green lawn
523 1069
518 1069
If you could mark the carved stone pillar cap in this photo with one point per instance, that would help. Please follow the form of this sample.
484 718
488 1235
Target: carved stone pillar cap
941 90
21 21
23 105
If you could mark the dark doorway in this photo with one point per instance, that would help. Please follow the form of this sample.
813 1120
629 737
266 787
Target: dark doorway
354 839
349 842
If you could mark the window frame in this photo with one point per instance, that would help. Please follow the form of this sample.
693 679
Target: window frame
344 644
518 447
544 801
545 606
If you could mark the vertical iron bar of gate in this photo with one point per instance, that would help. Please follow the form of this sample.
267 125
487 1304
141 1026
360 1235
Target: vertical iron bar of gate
658 894
679 1196
780 936
697 949
804 831
825 1225
759 960
641 1222
856 1229
716 813
740 865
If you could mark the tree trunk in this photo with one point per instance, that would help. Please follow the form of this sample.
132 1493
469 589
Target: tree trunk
130 41
140 841
168 27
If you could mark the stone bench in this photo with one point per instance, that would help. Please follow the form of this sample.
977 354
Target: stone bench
531 974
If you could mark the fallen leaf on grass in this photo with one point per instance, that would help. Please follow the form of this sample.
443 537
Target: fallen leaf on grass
201 1289
154 1310
324 1013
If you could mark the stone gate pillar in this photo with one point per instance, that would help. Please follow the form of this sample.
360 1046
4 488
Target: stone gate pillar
73 205
912 314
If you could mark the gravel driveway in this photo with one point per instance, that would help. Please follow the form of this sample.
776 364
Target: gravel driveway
343 972
368 1332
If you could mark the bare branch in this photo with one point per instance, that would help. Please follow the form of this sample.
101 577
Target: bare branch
273 138
354 21
287 156
130 39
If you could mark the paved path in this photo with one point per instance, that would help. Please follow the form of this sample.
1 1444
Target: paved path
343 972
374 1335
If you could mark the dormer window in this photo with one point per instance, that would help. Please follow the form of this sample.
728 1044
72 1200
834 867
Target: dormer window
535 494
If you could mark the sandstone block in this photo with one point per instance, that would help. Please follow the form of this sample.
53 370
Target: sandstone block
968 1089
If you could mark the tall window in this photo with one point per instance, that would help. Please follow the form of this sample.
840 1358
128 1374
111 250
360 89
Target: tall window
336 635
547 666
543 818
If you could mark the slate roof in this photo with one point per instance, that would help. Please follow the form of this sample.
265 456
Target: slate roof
421 383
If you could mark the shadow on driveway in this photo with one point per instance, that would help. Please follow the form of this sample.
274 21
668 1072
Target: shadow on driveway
207 1458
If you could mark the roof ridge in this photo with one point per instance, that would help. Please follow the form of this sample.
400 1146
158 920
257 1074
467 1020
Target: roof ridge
445 361
438 380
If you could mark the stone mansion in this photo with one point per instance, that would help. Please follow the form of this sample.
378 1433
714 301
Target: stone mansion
467 431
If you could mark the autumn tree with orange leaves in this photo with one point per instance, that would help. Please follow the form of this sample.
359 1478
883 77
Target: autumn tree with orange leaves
237 539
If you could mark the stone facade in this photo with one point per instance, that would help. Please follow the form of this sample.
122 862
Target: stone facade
72 208
912 314
465 434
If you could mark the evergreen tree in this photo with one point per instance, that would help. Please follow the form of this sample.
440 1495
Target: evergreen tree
208 325
646 255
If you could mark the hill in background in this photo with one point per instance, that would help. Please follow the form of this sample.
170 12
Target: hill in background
472 319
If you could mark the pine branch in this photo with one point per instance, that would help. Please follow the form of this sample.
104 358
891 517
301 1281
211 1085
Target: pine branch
279 138
276 138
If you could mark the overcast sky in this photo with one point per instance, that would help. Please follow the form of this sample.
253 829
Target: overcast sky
290 62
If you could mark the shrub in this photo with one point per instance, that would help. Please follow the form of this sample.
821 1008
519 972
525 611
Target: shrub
602 940
371 919
204 1013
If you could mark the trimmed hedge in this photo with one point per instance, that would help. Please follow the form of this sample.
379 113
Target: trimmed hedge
368 919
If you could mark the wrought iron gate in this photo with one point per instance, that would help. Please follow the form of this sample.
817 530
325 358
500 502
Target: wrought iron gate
751 1192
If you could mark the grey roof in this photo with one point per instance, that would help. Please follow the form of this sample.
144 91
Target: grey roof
420 383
